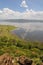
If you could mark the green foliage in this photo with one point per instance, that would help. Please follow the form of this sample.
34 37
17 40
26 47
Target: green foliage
16 47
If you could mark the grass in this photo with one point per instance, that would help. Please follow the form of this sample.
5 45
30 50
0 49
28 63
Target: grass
15 46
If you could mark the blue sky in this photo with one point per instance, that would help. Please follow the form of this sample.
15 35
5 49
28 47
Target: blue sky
15 4
21 9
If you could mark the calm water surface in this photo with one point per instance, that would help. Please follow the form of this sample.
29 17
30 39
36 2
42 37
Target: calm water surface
27 30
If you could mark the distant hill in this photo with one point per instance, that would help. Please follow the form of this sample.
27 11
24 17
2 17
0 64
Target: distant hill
21 20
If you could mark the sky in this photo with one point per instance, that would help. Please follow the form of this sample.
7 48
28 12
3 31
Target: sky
21 9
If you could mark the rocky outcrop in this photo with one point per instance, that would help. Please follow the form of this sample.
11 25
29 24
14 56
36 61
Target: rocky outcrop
6 59
24 61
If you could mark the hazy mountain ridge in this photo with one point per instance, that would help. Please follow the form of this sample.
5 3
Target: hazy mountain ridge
21 20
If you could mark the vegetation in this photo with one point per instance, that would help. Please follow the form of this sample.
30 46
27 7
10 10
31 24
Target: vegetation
15 46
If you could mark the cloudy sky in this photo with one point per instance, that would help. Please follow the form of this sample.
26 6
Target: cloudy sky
21 9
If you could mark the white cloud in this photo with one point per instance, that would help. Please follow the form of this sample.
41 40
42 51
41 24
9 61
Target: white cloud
23 4
7 13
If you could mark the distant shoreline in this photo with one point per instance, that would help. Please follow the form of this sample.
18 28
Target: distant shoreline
20 20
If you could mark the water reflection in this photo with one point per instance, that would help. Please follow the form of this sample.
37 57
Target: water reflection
28 30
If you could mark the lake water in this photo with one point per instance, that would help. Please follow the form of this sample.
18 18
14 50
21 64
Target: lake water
27 30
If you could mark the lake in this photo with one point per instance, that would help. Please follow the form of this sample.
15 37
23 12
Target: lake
27 30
